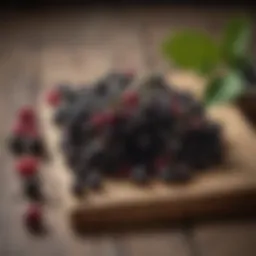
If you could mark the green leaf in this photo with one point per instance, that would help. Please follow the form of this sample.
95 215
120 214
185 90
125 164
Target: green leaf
224 89
193 50
236 40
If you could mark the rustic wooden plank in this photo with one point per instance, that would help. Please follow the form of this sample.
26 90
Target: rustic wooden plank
221 239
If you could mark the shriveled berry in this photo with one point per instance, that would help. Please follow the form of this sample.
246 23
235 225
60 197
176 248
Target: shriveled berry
27 166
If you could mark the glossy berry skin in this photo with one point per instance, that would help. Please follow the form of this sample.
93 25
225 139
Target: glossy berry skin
33 219
27 166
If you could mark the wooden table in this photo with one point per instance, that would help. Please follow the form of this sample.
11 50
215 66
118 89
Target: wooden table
35 49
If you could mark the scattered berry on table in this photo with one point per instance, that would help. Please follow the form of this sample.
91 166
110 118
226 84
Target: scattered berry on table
33 219
27 166
26 115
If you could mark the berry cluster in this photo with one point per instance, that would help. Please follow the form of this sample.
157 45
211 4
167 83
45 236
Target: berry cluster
26 144
122 128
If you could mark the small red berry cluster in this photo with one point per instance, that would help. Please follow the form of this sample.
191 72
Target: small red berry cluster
26 145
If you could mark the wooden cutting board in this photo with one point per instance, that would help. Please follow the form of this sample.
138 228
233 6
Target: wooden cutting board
229 189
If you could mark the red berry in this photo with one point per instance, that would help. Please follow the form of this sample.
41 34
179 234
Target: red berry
54 98
25 129
27 166
26 115
34 213
19 129
101 119
33 218
32 132
130 99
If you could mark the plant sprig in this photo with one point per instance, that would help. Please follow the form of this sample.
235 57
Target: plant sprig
198 51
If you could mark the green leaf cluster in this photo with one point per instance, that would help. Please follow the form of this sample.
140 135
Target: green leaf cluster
198 51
